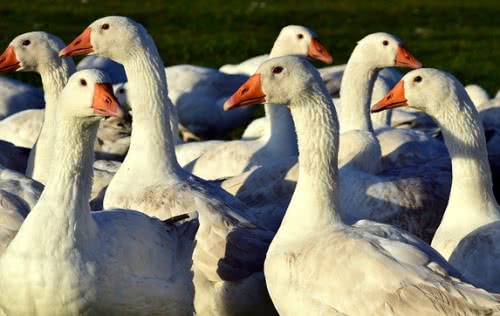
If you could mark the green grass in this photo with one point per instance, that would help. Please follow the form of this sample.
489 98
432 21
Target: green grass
462 37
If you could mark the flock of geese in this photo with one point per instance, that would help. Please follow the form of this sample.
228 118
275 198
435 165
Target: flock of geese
331 204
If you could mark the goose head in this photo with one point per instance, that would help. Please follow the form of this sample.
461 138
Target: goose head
301 41
427 90
88 96
104 36
384 50
278 81
31 51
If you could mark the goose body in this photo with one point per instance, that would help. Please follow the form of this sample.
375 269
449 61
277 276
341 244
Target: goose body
22 128
469 231
84 263
317 264
198 94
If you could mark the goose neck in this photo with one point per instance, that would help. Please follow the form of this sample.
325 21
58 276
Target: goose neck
314 203
54 76
282 137
63 208
355 95
151 138
472 185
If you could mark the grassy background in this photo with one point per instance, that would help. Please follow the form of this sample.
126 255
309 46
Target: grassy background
462 37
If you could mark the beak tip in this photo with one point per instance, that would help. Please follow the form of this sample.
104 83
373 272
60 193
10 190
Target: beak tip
227 105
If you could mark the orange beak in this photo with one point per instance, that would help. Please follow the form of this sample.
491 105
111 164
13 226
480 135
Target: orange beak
104 102
249 93
394 99
319 52
8 60
80 45
405 59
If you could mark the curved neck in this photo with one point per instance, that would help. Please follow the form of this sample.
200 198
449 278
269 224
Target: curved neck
63 208
55 75
151 138
314 203
472 186
281 135
355 95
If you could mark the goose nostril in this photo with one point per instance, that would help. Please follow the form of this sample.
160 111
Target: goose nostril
244 91
389 96
78 42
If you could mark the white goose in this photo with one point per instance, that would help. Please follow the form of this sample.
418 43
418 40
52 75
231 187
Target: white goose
149 179
316 264
279 140
37 51
399 196
469 234
103 263
372 53
230 250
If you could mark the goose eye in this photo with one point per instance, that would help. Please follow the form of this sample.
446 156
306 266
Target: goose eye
26 42
83 82
277 70
300 36
121 90
385 43
417 79
105 26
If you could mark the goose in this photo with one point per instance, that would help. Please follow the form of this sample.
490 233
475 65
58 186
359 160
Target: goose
37 51
234 157
397 147
160 187
470 230
317 264
397 196
230 249
119 262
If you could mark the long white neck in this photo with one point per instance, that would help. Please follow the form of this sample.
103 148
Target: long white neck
54 76
281 135
62 215
471 196
151 154
355 95
314 203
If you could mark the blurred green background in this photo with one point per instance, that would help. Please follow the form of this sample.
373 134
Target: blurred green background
462 37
